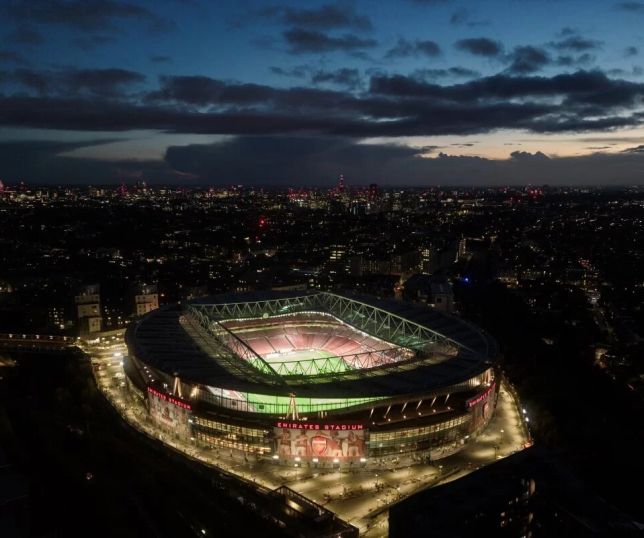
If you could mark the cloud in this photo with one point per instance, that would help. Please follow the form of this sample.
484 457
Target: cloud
480 46
567 31
581 60
631 51
44 162
204 91
450 72
26 35
631 7
76 82
299 71
579 101
89 42
326 17
160 59
576 43
337 112
302 41
314 160
86 115
527 59
527 156
464 17
406 48
192 90
346 77
318 160
584 93
636 150
83 15
11 56
430 2
392 106
459 17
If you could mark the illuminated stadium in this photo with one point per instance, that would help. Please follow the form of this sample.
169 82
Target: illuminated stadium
313 376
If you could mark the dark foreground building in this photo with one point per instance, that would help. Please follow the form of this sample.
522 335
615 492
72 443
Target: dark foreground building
529 494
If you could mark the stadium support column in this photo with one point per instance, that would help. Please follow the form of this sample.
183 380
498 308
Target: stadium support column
176 388
292 408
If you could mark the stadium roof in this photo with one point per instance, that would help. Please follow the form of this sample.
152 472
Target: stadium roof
166 340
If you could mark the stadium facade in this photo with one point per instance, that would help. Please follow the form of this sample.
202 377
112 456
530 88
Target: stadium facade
313 376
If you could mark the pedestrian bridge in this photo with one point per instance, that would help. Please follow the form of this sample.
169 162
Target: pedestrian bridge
35 343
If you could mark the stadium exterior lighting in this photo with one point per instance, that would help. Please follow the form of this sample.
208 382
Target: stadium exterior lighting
282 370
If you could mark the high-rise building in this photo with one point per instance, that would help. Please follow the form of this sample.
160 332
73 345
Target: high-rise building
462 249
427 259
88 309
146 299
442 295
337 252
56 317
530 493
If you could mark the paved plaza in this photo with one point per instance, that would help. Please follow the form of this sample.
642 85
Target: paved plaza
359 495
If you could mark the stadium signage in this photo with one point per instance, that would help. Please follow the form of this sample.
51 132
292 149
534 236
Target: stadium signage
315 426
169 399
481 397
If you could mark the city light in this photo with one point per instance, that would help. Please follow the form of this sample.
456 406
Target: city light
311 262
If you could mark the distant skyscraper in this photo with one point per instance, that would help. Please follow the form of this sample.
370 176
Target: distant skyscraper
341 183
373 192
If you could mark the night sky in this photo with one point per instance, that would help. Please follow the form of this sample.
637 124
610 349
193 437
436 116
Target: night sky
412 92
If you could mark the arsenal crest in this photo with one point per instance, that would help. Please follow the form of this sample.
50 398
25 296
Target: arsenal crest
319 445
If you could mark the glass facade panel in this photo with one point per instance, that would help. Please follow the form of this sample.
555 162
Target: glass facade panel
222 435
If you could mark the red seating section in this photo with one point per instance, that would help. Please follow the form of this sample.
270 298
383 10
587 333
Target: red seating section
311 331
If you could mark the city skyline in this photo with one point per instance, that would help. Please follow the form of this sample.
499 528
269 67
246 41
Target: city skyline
312 268
123 282
292 93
